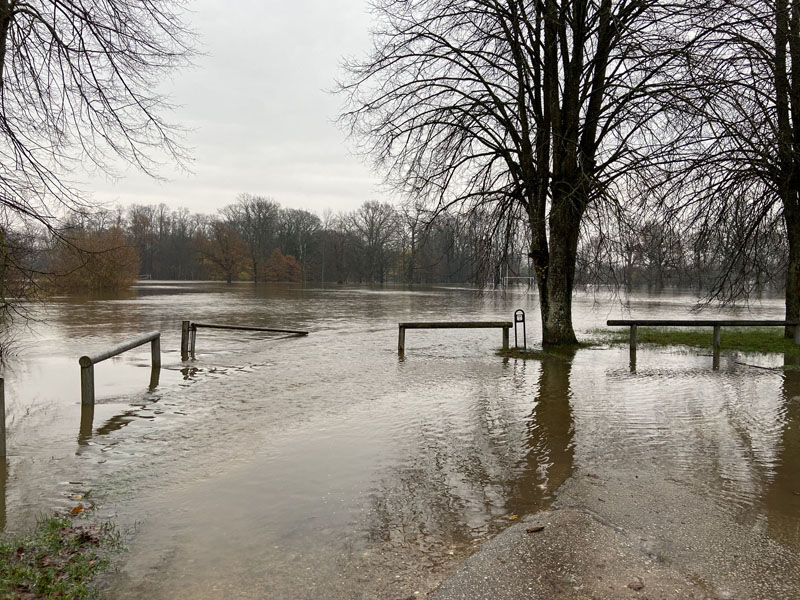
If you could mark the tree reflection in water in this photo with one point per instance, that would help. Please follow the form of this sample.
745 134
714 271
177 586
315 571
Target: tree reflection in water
782 497
460 489
3 485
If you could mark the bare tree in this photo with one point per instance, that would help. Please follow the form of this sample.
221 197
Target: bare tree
78 87
257 219
377 225
739 179
297 231
221 247
527 109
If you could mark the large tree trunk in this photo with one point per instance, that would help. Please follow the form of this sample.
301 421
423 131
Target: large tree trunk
556 308
792 221
554 263
787 183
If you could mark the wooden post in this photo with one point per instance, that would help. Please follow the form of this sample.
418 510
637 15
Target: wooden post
155 376
797 335
87 380
87 423
633 337
192 340
401 339
717 336
185 340
715 360
505 338
155 352
2 418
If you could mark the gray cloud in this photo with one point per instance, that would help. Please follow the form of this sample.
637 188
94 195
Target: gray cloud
260 117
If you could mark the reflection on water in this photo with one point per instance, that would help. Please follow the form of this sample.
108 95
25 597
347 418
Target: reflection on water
274 467
87 422
3 485
782 498
467 474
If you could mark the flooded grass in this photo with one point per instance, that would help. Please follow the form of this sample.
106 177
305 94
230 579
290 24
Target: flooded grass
761 340
563 352
58 559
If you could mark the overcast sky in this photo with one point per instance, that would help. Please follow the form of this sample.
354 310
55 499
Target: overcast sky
261 115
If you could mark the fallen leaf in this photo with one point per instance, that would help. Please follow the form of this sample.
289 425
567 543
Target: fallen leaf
536 529
513 517
77 510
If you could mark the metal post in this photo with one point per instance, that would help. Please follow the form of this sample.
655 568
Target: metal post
505 338
2 418
87 380
519 317
155 352
633 337
717 336
715 360
797 335
185 340
401 339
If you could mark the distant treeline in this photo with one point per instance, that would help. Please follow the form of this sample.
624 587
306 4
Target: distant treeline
255 239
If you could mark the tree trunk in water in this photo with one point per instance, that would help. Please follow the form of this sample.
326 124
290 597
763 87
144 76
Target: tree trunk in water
792 220
555 299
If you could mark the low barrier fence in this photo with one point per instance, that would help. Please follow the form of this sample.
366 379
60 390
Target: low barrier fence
189 334
87 363
401 339
717 324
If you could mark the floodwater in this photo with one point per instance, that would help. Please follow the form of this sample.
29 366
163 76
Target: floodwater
286 467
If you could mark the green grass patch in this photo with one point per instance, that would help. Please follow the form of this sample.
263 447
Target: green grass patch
562 352
58 559
757 340
529 354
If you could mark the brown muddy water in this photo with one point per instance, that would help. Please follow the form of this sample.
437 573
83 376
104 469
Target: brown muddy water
327 466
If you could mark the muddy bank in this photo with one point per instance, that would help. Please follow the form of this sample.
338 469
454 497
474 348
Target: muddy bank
635 534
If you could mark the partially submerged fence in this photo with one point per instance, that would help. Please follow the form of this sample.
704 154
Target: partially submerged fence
87 362
189 334
401 339
717 324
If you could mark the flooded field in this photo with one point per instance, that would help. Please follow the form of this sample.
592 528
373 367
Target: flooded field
278 467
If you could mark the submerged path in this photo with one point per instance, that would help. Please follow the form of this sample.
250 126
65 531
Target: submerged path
670 498
330 467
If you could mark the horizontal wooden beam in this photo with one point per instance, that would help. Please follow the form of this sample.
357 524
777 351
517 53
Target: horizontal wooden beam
456 325
86 361
246 328
401 328
699 323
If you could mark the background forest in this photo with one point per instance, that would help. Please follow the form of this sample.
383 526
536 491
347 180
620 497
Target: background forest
256 239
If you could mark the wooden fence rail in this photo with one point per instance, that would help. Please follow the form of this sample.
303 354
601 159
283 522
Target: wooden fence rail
401 339
717 324
87 362
189 334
